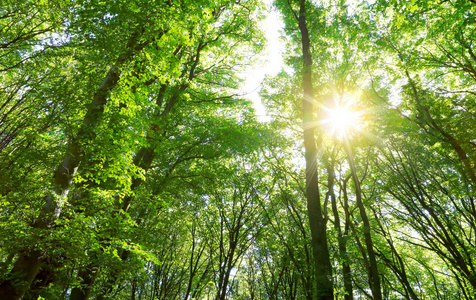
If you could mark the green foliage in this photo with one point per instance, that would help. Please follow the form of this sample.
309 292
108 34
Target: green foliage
181 193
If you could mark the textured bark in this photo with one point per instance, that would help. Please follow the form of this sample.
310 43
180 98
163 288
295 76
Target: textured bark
27 265
316 220
374 280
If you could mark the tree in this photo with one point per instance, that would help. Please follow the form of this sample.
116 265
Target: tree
147 44
132 168
316 215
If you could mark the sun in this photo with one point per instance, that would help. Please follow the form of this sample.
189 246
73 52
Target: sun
341 120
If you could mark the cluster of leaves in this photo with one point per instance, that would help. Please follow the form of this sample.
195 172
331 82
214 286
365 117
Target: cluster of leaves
131 167
408 67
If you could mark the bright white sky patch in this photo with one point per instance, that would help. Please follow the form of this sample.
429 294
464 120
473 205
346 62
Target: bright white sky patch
273 62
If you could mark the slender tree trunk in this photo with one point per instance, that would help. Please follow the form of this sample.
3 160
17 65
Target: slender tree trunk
341 239
226 261
374 279
317 222
111 279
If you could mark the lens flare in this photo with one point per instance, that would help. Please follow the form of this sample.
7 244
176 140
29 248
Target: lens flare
341 120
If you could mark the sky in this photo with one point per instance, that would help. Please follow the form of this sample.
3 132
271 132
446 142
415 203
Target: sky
273 62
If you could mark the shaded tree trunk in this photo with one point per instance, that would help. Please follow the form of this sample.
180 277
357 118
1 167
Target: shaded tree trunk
317 221
143 159
341 238
374 280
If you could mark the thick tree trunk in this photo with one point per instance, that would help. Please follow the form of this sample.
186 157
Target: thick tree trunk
28 263
316 220
27 266
374 280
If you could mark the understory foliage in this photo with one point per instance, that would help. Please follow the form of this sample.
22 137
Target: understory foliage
134 167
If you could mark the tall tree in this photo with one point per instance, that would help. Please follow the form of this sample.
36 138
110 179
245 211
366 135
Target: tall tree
146 52
317 220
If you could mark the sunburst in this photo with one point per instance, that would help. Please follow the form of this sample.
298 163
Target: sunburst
342 119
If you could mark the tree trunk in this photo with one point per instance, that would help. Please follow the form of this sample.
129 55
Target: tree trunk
341 239
374 280
143 159
317 222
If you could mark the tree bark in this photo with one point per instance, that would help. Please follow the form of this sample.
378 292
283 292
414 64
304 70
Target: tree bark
323 268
